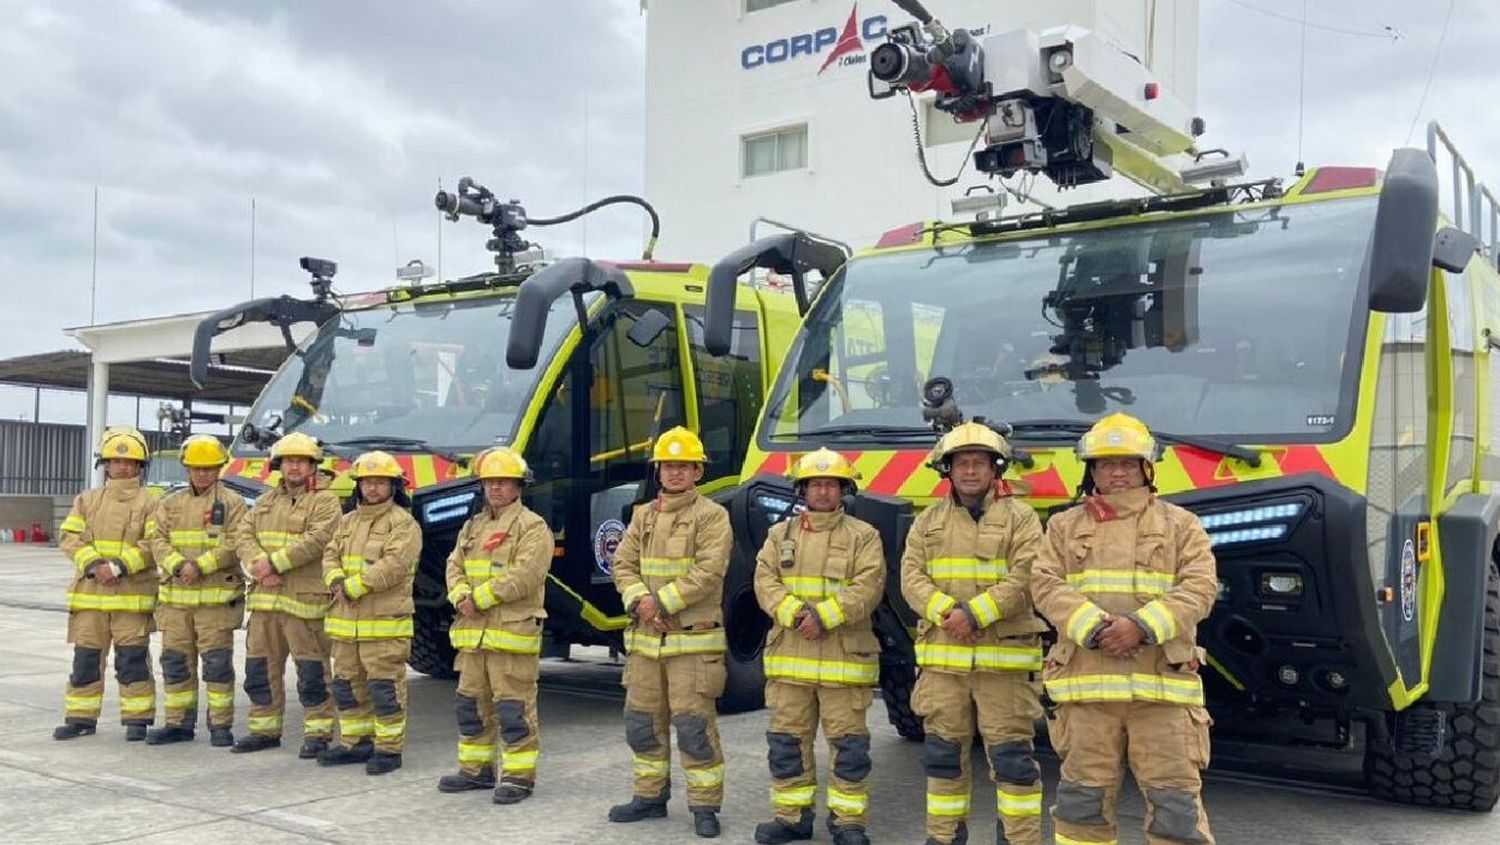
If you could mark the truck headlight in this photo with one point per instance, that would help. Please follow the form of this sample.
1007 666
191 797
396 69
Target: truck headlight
448 507
1281 584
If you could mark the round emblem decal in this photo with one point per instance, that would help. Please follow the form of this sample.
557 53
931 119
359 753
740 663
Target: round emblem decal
674 448
606 542
121 448
1408 581
823 463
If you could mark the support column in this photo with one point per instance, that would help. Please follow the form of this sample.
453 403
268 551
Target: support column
98 400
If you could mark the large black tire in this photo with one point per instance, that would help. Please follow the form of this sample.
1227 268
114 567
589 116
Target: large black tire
745 627
1465 775
898 677
431 652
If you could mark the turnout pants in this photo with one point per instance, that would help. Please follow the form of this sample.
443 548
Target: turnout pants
1006 706
796 711
369 689
273 637
189 634
497 696
1165 746
680 691
92 632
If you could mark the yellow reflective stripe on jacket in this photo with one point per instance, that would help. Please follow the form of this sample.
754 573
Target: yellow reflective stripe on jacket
787 610
354 585
1159 619
170 565
985 609
195 596
650 644
937 606
495 639
192 537
1136 686
633 593
671 599
813 587
1121 581
830 613
208 563
665 567
352 563
274 540
126 552
111 602
85 556
74 524
345 628
484 596
967 567
821 671
286 604
459 593
965 658
482 568
1083 621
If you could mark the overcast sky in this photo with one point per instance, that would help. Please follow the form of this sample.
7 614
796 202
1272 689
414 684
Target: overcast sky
340 118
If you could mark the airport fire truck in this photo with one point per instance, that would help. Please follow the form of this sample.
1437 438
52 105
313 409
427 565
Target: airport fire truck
1319 357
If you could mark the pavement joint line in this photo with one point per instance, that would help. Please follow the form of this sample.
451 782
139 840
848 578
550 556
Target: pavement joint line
295 819
130 782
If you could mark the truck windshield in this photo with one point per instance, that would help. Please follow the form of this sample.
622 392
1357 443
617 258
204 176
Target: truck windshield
1241 324
429 371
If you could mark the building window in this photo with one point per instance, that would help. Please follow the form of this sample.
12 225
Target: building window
759 5
769 152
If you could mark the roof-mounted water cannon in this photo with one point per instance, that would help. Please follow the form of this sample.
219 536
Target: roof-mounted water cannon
507 219
1066 102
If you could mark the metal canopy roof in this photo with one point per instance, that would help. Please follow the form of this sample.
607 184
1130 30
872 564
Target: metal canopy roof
236 377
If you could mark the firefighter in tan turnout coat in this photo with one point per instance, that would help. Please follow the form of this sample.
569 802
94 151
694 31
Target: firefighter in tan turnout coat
201 600
368 569
966 573
819 576
1126 578
113 590
497 581
669 569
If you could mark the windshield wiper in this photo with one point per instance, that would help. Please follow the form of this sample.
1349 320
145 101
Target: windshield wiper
412 444
835 431
1054 429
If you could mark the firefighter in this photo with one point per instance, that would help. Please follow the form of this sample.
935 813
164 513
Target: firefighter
669 569
819 576
966 573
369 567
497 577
113 590
280 543
1126 578
201 599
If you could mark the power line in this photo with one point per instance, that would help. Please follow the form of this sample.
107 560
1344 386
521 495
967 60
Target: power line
1437 53
1385 32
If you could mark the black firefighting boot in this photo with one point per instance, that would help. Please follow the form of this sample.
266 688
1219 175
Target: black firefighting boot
849 834
513 791
463 782
313 748
383 762
640 809
220 737
169 735
72 730
255 742
360 753
706 823
777 832
135 733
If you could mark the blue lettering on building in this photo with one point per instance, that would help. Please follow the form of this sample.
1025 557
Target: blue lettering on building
779 50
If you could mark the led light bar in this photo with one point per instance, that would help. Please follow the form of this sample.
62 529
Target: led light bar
1267 513
1256 534
448 507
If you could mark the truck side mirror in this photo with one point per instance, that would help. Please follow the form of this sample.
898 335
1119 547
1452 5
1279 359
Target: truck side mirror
1453 248
1401 256
648 327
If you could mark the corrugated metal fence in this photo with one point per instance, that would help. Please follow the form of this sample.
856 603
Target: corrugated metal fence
45 459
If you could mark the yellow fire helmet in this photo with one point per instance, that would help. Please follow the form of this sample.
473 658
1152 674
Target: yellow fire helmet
970 436
296 445
1118 436
376 464
122 441
501 462
824 463
678 444
204 450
